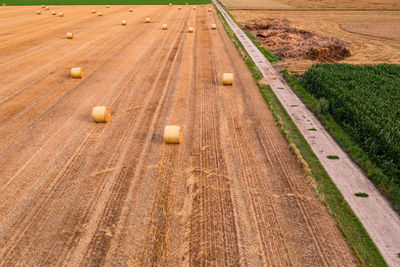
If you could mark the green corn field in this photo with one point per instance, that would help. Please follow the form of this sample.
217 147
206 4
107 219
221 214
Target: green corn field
365 101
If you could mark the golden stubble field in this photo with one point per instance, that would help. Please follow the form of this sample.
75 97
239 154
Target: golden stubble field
373 34
75 192
312 4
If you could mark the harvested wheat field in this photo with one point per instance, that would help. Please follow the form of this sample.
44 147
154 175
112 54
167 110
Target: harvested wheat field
312 4
76 192
371 37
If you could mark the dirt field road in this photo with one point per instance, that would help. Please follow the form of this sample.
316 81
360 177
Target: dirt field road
73 192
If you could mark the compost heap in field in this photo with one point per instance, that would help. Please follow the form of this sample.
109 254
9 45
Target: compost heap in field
283 40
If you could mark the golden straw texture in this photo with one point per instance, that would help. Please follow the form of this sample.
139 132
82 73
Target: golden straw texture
77 73
173 134
227 79
101 114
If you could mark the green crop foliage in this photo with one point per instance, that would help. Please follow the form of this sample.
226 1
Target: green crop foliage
365 102
332 157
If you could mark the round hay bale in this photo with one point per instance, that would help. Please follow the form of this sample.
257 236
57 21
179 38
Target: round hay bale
179 8
191 29
172 134
53 12
123 22
77 73
4 4
38 12
101 114
70 35
227 79
61 14
147 20
209 9
47 8
43 6
107 6
194 8
93 11
131 10
170 4
186 4
100 14
213 26
164 26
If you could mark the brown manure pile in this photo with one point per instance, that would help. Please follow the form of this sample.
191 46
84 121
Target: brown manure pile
283 40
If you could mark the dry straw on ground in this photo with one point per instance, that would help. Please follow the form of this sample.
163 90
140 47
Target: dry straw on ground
77 73
227 79
101 114
172 134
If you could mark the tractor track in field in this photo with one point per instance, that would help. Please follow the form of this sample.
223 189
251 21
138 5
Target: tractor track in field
84 194
281 169
96 64
212 227
15 44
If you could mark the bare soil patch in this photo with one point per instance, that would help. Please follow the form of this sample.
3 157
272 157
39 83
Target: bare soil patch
284 40
381 30
367 4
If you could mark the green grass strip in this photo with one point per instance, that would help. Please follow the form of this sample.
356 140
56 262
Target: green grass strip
361 195
332 157
351 227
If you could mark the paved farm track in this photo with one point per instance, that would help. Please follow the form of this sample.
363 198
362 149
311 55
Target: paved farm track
73 192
